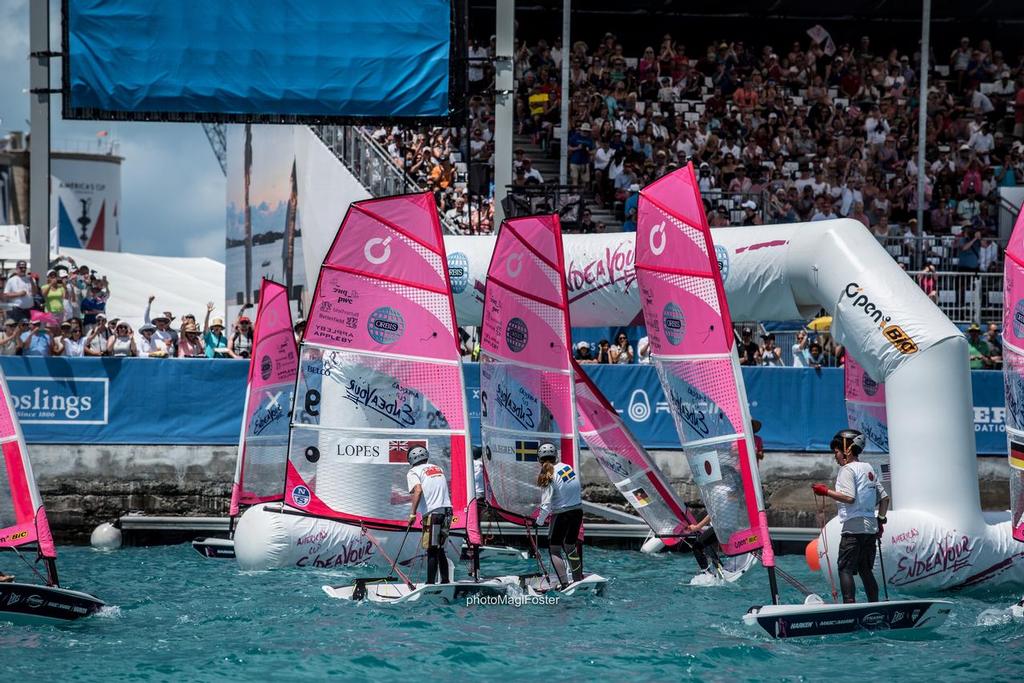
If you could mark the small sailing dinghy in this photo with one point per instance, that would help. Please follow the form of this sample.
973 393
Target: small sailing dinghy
23 524
263 443
1013 378
381 373
693 349
526 379
639 479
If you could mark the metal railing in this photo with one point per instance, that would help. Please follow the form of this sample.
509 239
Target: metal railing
964 297
371 164
730 204
566 200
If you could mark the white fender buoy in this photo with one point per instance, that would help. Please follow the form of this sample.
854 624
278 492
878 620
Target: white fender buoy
652 545
105 537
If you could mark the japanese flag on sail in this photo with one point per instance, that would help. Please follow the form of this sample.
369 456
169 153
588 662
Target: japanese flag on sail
707 470
398 451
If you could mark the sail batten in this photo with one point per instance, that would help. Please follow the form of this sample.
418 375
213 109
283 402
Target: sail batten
273 362
1013 370
380 371
693 351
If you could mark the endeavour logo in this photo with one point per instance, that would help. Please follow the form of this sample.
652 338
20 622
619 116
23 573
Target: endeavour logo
377 250
458 271
722 256
300 496
516 335
658 239
673 323
385 325
514 264
894 334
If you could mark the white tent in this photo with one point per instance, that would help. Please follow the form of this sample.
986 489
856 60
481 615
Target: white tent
181 285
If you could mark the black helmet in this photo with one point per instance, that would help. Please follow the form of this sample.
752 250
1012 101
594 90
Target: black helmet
848 437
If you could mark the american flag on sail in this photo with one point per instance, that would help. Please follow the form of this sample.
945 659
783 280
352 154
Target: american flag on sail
398 451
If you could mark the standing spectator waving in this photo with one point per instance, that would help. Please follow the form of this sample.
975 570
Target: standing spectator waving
214 340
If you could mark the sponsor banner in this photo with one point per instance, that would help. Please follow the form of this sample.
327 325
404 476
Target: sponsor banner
144 401
85 200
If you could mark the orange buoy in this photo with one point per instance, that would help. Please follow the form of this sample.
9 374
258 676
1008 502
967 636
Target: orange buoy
812 557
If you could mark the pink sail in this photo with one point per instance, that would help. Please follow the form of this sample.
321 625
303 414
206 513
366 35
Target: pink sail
22 517
526 383
1013 370
692 348
865 405
380 371
273 366
628 466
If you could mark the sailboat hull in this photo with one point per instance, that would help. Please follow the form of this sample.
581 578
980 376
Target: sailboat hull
26 603
394 592
791 621
215 548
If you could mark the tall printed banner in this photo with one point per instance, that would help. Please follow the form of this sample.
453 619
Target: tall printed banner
264 222
85 200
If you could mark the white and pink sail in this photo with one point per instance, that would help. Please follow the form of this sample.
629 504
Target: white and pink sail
273 366
693 349
526 376
380 372
1013 370
22 516
628 465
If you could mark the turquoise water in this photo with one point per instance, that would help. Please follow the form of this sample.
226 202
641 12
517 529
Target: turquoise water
180 617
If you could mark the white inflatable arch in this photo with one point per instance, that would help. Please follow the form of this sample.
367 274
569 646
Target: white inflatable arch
938 537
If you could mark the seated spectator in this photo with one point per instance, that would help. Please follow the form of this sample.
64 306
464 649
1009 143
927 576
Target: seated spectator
190 344
70 343
37 341
122 343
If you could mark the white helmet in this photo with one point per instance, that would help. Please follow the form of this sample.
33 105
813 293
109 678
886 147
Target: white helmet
547 452
417 455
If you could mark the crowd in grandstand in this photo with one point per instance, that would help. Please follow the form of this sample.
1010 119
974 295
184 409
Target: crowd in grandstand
65 315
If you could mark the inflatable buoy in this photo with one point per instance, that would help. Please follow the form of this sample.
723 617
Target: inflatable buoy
653 545
105 537
812 557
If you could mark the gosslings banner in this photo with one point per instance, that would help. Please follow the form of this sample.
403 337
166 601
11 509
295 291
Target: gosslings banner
148 401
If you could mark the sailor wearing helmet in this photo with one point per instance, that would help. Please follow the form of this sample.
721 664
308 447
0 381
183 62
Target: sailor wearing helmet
857 492
429 488
563 502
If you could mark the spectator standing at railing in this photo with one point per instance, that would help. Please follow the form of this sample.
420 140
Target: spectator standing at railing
190 344
240 344
70 343
771 355
604 352
748 350
55 295
18 291
96 340
215 342
9 338
968 248
37 341
622 352
93 306
122 343
799 351
978 349
928 282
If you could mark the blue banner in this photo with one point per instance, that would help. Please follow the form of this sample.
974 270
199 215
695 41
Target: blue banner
257 60
143 401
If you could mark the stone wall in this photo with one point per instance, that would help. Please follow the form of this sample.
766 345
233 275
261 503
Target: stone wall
86 485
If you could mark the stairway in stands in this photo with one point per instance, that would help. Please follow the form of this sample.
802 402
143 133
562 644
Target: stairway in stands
548 168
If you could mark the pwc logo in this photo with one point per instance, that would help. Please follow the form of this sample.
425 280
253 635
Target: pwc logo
377 250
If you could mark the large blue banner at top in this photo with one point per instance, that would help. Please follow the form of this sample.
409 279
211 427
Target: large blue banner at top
257 60
144 401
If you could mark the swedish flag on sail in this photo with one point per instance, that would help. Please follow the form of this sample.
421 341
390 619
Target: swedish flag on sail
526 451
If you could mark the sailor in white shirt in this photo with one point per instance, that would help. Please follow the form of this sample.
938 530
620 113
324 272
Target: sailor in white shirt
857 492
429 488
562 500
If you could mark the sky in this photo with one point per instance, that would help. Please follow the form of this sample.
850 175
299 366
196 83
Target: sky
172 188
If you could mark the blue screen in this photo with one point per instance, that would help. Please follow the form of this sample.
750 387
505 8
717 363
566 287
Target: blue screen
257 59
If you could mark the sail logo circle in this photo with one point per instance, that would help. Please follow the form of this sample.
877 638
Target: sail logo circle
458 271
869 385
1018 320
722 256
300 496
658 239
516 335
514 270
380 256
674 324
639 406
385 325
266 367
